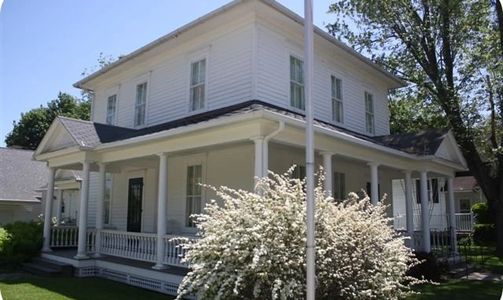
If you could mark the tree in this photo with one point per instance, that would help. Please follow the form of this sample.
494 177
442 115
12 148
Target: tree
451 51
32 126
253 247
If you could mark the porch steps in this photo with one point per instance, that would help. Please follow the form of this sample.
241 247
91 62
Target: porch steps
46 267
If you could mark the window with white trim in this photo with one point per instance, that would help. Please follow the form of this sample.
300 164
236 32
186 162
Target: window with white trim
339 186
197 84
140 104
107 202
111 109
369 113
337 107
194 193
297 83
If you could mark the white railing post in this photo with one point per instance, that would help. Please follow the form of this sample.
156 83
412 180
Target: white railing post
84 197
48 210
161 210
452 215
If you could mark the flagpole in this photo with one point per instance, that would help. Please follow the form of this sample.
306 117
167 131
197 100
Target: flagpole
310 204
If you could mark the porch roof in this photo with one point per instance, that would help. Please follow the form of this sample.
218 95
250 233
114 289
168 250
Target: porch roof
90 134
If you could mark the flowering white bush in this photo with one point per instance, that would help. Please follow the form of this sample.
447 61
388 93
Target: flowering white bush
253 247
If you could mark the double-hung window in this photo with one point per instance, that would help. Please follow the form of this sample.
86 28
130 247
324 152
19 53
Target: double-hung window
140 104
194 193
111 109
297 83
369 113
197 84
337 108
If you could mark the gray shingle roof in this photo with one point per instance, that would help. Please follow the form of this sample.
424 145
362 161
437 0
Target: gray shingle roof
91 134
20 175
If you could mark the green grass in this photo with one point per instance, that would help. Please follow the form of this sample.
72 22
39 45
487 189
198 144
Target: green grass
460 290
46 288
482 258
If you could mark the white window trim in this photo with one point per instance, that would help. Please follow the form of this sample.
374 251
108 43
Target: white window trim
191 60
114 119
203 192
366 93
145 78
136 105
289 93
341 100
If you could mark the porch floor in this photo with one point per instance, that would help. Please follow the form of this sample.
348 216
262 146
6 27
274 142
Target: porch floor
69 253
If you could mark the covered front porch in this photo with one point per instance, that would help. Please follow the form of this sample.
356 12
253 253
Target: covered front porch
137 193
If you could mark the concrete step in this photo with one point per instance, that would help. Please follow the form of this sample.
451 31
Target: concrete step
46 267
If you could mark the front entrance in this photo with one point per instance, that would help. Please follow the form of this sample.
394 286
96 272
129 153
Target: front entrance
134 207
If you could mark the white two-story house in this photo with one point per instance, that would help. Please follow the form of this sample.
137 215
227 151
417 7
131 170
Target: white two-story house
220 101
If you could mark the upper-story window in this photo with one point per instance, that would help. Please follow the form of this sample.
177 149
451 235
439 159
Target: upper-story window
111 109
369 113
297 83
337 107
140 104
197 84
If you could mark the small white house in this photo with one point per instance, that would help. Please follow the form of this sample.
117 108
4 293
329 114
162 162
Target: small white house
221 101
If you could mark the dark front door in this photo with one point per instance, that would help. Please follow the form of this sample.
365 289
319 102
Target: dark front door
135 195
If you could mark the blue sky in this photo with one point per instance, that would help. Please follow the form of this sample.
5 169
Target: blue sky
46 45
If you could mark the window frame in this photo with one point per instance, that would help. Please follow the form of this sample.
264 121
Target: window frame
337 99
189 198
204 83
369 127
301 85
113 120
144 104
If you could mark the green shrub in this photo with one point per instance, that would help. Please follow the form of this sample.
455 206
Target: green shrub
482 214
20 241
484 234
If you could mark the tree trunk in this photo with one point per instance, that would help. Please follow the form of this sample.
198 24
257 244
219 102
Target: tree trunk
499 222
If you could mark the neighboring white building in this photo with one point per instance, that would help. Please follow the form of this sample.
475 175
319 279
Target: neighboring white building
220 101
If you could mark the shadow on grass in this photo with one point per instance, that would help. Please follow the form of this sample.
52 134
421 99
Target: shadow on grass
24 286
460 290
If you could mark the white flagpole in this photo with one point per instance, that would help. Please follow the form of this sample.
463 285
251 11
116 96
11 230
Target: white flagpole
310 205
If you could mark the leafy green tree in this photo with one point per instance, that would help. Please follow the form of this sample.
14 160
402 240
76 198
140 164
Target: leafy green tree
450 51
32 126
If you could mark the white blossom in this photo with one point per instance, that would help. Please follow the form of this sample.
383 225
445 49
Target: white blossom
252 246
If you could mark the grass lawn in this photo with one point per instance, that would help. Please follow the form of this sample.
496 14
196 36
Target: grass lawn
460 290
47 288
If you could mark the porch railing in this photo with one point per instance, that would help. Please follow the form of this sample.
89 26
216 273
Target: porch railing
133 245
174 252
464 222
68 237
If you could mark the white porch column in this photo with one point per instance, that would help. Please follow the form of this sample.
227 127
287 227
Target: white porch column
374 182
425 211
409 212
327 167
452 215
48 210
100 208
84 198
259 157
59 201
161 210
